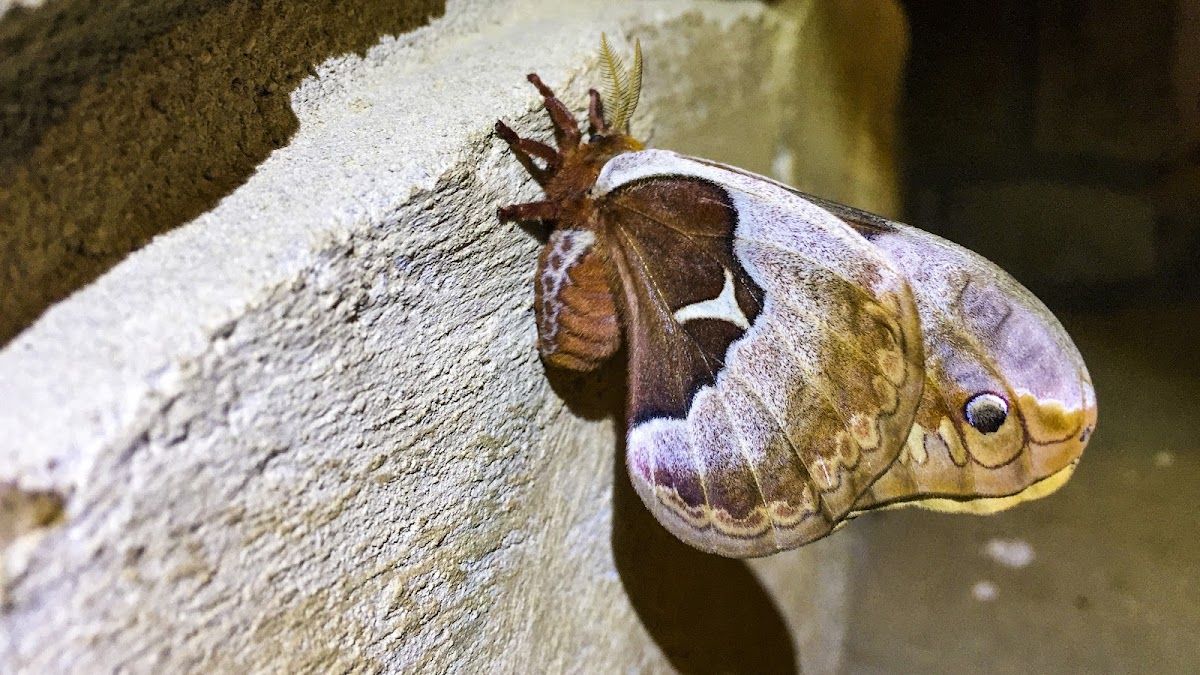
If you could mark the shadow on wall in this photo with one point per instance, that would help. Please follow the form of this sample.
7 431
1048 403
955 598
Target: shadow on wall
708 614
123 120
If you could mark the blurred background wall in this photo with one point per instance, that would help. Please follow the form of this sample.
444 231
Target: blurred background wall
1061 138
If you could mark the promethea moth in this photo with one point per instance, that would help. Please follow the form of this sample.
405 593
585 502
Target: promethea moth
792 362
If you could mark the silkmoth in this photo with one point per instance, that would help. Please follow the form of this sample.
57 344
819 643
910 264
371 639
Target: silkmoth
792 362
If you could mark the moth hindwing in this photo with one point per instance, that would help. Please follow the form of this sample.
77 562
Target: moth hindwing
792 362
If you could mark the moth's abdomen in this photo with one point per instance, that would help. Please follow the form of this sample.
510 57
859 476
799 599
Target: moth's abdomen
576 316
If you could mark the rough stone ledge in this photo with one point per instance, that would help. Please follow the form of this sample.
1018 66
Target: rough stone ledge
309 430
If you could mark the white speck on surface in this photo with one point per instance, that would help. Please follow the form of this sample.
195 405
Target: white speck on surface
1013 553
783 164
985 591
1164 460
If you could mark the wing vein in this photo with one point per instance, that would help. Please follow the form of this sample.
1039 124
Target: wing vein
692 236
776 245
631 245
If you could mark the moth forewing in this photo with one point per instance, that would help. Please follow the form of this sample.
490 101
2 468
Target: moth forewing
780 408
986 336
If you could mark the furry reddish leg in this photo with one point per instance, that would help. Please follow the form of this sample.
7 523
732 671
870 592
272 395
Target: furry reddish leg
566 131
528 212
526 149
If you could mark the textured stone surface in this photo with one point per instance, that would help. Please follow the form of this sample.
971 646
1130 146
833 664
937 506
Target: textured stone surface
309 429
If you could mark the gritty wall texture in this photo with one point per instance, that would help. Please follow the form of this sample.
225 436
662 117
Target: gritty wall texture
123 120
309 431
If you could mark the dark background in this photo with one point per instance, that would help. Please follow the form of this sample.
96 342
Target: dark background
1059 139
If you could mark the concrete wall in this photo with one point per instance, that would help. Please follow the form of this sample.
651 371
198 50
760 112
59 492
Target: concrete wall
308 429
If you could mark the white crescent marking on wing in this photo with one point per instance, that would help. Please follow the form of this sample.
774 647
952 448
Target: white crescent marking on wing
724 307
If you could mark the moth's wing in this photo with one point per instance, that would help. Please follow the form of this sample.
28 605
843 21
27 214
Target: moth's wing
775 360
1008 404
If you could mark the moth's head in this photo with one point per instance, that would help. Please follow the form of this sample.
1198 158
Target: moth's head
609 113
600 148
568 172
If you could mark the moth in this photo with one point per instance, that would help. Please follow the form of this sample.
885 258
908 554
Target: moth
792 362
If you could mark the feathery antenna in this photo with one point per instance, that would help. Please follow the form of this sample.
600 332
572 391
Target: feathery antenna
623 87
634 93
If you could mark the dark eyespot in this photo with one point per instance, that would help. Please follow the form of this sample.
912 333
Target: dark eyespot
986 412
595 138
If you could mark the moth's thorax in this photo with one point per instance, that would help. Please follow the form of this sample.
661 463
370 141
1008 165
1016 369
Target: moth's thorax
570 187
